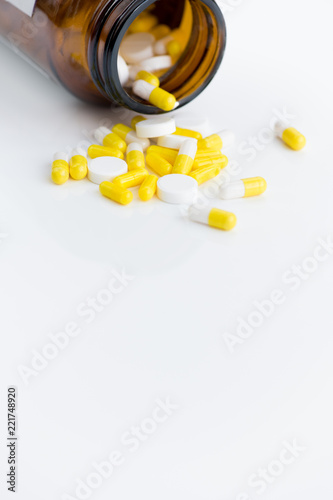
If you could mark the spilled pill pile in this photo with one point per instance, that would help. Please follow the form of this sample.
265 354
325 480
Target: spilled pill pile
172 169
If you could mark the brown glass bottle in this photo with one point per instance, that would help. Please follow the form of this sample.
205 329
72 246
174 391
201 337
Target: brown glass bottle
76 42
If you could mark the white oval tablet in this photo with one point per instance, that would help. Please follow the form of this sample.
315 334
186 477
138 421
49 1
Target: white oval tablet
155 127
178 189
171 141
137 47
105 168
156 63
123 71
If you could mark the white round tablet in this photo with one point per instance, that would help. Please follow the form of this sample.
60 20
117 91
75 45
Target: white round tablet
155 127
178 189
137 47
171 141
105 168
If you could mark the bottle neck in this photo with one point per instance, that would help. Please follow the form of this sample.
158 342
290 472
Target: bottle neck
189 75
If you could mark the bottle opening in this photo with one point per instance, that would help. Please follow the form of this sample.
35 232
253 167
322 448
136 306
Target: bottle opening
189 38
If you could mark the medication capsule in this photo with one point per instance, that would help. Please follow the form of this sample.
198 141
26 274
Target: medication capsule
290 136
109 139
174 48
155 95
188 133
143 23
96 151
222 139
128 135
243 188
213 217
135 157
60 168
78 165
161 46
208 153
148 187
220 161
204 174
160 31
136 119
156 63
184 161
131 179
148 77
158 164
168 154
116 193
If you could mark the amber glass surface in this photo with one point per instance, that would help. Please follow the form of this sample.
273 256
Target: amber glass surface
76 42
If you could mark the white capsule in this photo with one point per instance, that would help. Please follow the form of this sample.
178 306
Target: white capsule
123 71
189 148
137 47
156 63
171 141
155 127
233 190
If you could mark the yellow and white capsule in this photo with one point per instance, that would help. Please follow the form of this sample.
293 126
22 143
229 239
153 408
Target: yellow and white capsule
290 136
148 188
208 153
185 159
109 139
206 173
148 77
213 217
135 157
116 193
128 135
223 139
177 35
158 164
155 95
244 188
136 119
131 179
220 161
168 154
60 168
78 164
188 133
96 151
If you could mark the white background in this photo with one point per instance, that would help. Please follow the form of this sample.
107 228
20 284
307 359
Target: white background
162 336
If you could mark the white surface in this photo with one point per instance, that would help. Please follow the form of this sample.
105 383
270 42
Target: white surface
105 168
156 127
177 189
25 6
137 47
228 138
162 335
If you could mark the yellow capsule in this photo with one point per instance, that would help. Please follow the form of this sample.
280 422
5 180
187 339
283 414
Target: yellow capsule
113 140
185 159
174 48
143 23
148 187
243 188
60 168
294 139
208 153
121 130
158 164
116 193
213 141
213 217
148 77
168 154
132 178
136 119
220 161
135 157
187 133
162 99
160 31
78 165
204 174
95 151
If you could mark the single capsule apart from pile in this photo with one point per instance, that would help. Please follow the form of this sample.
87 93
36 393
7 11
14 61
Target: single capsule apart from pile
60 168
290 136
213 217
244 188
